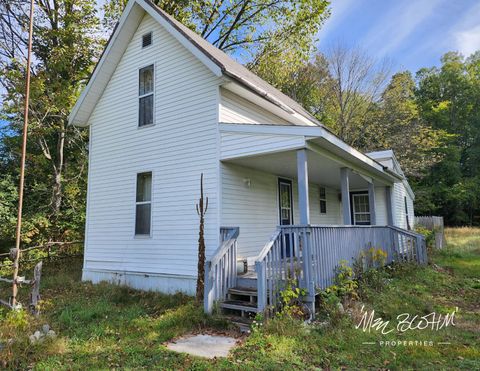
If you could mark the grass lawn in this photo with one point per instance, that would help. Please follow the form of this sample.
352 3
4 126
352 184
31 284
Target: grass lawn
105 326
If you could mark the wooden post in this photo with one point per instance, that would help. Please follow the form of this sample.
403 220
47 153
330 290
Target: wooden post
22 164
372 204
35 295
388 201
207 302
345 186
261 287
302 174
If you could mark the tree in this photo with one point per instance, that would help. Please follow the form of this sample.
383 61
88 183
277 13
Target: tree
202 208
396 124
65 47
356 82
448 99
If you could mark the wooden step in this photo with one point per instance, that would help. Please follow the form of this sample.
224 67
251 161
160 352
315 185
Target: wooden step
245 281
242 306
244 291
243 323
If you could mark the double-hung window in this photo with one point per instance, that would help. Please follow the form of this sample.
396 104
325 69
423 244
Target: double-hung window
323 200
146 96
143 210
361 209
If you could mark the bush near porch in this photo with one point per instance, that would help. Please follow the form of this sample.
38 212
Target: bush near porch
104 326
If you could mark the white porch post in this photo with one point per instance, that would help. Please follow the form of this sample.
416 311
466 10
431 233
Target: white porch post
302 175
345 185
372 203
388 200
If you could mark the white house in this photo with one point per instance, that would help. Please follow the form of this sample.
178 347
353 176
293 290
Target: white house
164 106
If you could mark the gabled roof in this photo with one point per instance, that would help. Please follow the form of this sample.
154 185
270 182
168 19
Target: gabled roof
219 62
388 159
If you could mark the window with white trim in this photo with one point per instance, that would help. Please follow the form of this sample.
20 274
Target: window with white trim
145 96
361 209
323 200
143 204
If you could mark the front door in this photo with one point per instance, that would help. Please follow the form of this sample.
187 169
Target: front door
285 204
360 208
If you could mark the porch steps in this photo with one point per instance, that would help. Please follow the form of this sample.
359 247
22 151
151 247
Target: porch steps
240 307
243 291
247 280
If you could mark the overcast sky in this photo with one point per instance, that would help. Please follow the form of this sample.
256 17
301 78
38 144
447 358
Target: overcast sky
411 33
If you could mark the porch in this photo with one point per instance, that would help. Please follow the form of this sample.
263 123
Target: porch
323 201
306 254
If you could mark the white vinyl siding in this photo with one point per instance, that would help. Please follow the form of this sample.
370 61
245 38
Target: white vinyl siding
254 207
399 216
246 144
381 205
237 110
181 146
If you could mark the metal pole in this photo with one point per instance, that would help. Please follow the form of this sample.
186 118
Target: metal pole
22 164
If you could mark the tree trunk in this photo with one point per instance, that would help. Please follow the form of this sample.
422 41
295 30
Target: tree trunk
202 207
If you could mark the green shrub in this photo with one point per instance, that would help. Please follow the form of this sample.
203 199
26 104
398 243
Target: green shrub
429 235
290 300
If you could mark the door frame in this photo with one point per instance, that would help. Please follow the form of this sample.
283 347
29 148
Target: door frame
290 182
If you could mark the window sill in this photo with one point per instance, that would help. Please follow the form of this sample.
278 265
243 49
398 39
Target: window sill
145 126
142 237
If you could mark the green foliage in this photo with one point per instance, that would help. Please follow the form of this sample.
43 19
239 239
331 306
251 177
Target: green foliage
105 326
291 300
428 234
343 290
17 319
448 98
65 46
345 284
370 271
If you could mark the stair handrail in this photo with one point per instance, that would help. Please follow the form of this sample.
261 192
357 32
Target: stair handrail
261 270
225 245
420 243
268 246
221 269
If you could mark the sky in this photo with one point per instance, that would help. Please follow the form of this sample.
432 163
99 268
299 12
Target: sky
411 34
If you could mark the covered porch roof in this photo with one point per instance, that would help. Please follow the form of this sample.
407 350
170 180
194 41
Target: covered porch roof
272 148
321 170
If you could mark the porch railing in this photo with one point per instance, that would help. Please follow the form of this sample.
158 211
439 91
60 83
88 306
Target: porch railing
310 254
221 269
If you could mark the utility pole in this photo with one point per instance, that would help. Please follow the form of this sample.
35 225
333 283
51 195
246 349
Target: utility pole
22 164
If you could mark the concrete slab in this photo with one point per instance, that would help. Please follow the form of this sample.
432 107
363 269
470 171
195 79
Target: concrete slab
208 346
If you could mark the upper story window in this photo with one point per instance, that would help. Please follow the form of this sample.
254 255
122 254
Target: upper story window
323 200
143 204
146 96
147 40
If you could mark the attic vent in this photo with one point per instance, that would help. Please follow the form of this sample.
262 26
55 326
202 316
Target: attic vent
147 40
